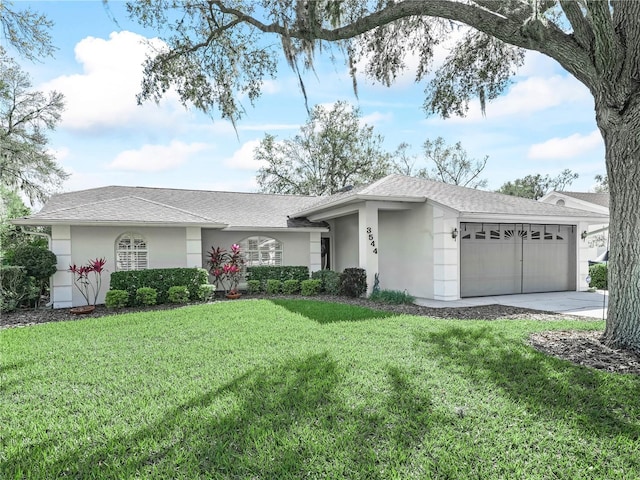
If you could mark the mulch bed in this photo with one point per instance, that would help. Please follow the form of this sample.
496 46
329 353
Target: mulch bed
579 347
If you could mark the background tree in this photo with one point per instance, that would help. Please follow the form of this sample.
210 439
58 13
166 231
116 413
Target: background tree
453 165
536 186
27 31
12 236
332 150
603 184
217 49
25 115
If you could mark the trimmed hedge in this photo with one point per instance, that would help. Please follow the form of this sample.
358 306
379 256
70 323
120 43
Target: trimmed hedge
310 287
16 287
162 279
273 286
116 298
178 294
254 287
291 287
329 281
264 272
146 296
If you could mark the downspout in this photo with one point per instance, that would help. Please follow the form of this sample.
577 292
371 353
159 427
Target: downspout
48 237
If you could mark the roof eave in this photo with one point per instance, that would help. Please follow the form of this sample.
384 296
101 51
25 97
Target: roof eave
531 218
112 223
358 198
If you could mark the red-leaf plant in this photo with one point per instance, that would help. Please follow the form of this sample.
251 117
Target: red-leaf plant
226 267
89 285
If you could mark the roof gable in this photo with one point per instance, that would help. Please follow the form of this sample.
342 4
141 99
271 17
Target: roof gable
462 199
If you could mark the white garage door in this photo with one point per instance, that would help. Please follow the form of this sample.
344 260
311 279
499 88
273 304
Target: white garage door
500 259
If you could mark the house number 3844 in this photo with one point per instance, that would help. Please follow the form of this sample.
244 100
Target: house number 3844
372 241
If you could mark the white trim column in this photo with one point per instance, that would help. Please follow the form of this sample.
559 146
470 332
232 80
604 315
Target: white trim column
315 252
584 253
194 247
368 242
62 280
446 256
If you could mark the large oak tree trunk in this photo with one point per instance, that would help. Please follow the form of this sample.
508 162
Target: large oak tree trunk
621 132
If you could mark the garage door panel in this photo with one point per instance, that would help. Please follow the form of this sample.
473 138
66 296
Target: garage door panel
507 259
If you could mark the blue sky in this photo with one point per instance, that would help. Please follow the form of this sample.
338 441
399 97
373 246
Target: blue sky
543 124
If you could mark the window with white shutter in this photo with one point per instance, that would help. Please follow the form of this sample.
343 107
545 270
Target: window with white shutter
131 252
261 251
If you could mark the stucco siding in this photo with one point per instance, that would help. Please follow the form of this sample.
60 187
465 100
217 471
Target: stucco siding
406 251
166 247
295 245
346 251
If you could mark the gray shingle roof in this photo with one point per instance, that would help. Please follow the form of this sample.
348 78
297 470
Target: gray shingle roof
461 199
601 199
166 205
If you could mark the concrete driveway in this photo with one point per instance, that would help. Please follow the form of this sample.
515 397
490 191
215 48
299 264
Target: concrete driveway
585 304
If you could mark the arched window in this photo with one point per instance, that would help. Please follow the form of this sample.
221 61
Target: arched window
560 203
261 251
131 252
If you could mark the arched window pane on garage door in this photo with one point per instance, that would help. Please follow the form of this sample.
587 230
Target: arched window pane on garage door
261 250
131 252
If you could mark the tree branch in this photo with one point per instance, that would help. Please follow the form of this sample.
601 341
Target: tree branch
581 28
607 51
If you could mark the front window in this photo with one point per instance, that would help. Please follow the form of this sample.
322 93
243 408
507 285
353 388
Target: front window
261 251
131 252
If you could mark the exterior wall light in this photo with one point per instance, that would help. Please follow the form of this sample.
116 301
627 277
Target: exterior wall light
454 233
583 235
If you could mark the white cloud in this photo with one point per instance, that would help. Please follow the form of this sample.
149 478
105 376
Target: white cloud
267 127
568 147
376 118
154 158
526 97
242 159
104 95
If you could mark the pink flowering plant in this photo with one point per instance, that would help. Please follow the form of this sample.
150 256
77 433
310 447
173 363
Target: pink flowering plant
226 267
88 279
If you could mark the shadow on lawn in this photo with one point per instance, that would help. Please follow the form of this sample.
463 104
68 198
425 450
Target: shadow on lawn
328 312
287 421
594 401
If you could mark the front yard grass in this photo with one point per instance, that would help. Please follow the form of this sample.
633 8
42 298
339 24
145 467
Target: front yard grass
296 389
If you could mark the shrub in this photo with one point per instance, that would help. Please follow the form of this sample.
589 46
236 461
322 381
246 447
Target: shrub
206 292
116 298
178 294
254 286
38 262
146 296
310 287
273 286
161 279
263 273
394 297
599 274
353 282
329 281
16 287
290 287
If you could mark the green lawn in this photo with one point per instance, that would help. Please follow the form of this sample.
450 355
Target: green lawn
285 389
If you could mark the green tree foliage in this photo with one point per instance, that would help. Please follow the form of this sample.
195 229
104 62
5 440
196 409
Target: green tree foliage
453 165
27 31
12 236
536 186
25 115
218 50
603 184
331 151
38 262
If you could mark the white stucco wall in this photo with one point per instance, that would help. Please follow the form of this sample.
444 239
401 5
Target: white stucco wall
298 248
406 250
167 248
345 245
